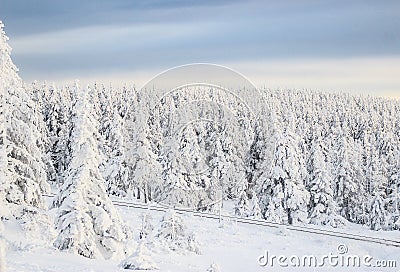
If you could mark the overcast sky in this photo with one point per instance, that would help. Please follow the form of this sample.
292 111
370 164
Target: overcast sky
351 46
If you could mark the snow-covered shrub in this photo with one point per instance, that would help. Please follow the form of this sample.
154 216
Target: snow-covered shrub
147 225
139 260
174 236
248 207
242 208
213 268
193 244
255 208
37 225
172 231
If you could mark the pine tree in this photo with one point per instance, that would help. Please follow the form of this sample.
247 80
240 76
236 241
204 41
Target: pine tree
185 172
242 208
378 185
270 179
113 168
141 156
323 208
24 169
219 169
147 170
139 260
393 197
275 210
359 207
87 221
173 232
56 115
292 163
346 187
377 213
39 108
256 212
3 151
174 192
147 226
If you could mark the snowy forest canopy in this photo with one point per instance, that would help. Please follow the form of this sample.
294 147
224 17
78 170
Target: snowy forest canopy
312 157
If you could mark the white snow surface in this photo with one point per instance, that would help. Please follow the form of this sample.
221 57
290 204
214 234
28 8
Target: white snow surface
231 246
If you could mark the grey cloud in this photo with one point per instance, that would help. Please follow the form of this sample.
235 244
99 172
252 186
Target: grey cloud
76 37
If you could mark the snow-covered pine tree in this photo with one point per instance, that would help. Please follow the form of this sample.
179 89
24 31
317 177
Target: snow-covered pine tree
255 210
147 225
219 168
346 187
255 157
37 93
56 115
270 177
140 153
139 260
288 160
24 168
113 168
323 208
242 207
298 198
378 183
360 200
147 171
87 222
393 198
3 152
185 182
3 166
175 191
172 230
173 234
377 212
246 207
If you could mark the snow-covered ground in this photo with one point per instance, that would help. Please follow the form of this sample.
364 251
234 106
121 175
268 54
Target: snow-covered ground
231 246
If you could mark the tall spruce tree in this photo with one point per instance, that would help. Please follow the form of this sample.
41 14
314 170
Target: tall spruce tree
87 222
323 209
23 170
